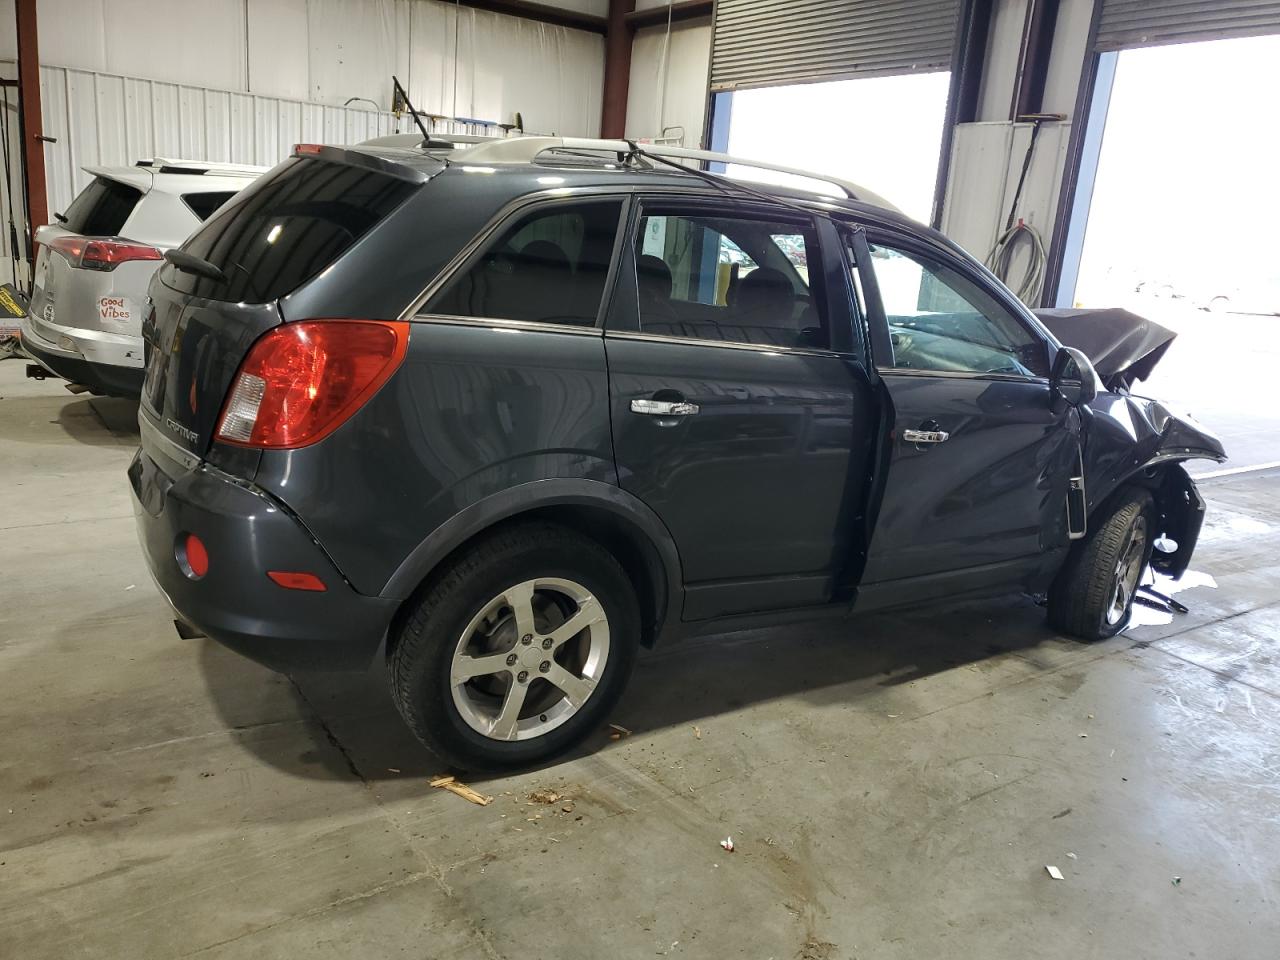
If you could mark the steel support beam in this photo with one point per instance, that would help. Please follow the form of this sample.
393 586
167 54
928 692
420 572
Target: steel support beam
1033 59
968 61
617 70
30 123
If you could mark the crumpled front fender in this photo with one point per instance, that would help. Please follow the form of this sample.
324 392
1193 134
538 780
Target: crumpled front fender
1141 441
1126 436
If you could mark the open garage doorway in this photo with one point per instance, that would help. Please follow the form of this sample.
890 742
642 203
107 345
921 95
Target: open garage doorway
884 133
1177 215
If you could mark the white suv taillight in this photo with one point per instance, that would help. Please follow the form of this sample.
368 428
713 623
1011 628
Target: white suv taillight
102 254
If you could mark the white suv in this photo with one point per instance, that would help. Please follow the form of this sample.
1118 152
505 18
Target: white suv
94 264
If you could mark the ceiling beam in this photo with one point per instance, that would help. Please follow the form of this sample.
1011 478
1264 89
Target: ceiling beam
657 16
543 13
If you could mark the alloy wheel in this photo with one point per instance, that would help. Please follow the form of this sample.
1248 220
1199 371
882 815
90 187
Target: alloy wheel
1128 571
529 659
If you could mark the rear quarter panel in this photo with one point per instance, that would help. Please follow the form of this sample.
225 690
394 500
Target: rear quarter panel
473 410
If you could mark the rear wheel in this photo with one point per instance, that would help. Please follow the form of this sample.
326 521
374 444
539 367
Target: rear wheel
518 650
1093 594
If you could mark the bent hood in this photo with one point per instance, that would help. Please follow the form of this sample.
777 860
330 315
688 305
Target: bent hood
1122 346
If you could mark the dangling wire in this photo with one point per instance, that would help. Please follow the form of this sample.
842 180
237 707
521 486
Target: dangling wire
1000 259
662 72
8 190
457 13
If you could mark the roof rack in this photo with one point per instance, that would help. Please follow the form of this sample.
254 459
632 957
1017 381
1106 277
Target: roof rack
528 149
198 167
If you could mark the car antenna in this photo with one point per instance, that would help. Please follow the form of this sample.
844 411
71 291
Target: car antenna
400 103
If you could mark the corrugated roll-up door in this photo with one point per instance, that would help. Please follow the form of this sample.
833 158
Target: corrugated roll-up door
1149 23
766 43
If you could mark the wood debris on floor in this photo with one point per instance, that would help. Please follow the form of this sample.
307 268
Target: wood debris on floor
462 790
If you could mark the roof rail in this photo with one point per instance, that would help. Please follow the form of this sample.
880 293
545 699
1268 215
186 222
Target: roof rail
528 149
197 167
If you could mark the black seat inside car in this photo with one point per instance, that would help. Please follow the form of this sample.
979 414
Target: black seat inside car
765 298
654 282
530 283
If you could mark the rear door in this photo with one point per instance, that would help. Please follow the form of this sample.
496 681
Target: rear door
979 455
100 210
268 241
742 413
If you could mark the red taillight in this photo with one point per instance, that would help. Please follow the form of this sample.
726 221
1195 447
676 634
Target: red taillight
291 580
70 247
301 381
193 557
102 254
307 149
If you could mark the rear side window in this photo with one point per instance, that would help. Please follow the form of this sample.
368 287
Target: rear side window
734 277
203 205
549 266
286 228
102 208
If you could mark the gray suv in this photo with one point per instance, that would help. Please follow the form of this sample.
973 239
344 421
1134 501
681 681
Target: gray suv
506 413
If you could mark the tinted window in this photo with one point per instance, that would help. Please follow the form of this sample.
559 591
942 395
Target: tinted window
550 266
102 208
941 320
736 278
203 205
286 228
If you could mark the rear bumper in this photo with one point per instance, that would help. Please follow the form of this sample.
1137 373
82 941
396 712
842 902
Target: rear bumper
246 533
84 356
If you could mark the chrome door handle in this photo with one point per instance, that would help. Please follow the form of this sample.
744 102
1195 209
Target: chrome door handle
664 408
925 436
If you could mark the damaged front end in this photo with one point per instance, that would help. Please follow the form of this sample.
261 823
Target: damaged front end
1132 440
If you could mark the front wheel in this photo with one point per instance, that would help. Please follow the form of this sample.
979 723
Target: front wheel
518 650
1093 594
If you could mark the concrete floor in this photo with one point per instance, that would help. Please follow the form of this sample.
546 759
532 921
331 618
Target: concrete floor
895 788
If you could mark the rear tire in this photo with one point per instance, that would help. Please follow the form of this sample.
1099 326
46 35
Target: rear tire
1093 594
479 694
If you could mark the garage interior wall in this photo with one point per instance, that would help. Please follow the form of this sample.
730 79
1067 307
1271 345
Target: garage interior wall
241 80
668 89
986 155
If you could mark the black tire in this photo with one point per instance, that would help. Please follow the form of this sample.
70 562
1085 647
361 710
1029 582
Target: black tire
1083 598
424 647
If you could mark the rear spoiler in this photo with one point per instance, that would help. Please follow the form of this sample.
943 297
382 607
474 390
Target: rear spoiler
412 165
139 178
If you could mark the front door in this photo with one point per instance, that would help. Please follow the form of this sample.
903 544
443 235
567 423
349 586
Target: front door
979 456
741 408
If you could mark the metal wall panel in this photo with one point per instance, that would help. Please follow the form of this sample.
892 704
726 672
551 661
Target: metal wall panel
1148 23
763 43
100 119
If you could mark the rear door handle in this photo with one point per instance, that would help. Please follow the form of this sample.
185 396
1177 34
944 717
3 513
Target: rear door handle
664 408
925 436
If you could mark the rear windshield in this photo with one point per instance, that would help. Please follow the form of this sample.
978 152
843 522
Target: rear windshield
102 208
203 205
287 227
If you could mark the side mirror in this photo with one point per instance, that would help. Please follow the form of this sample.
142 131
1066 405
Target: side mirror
1073 377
